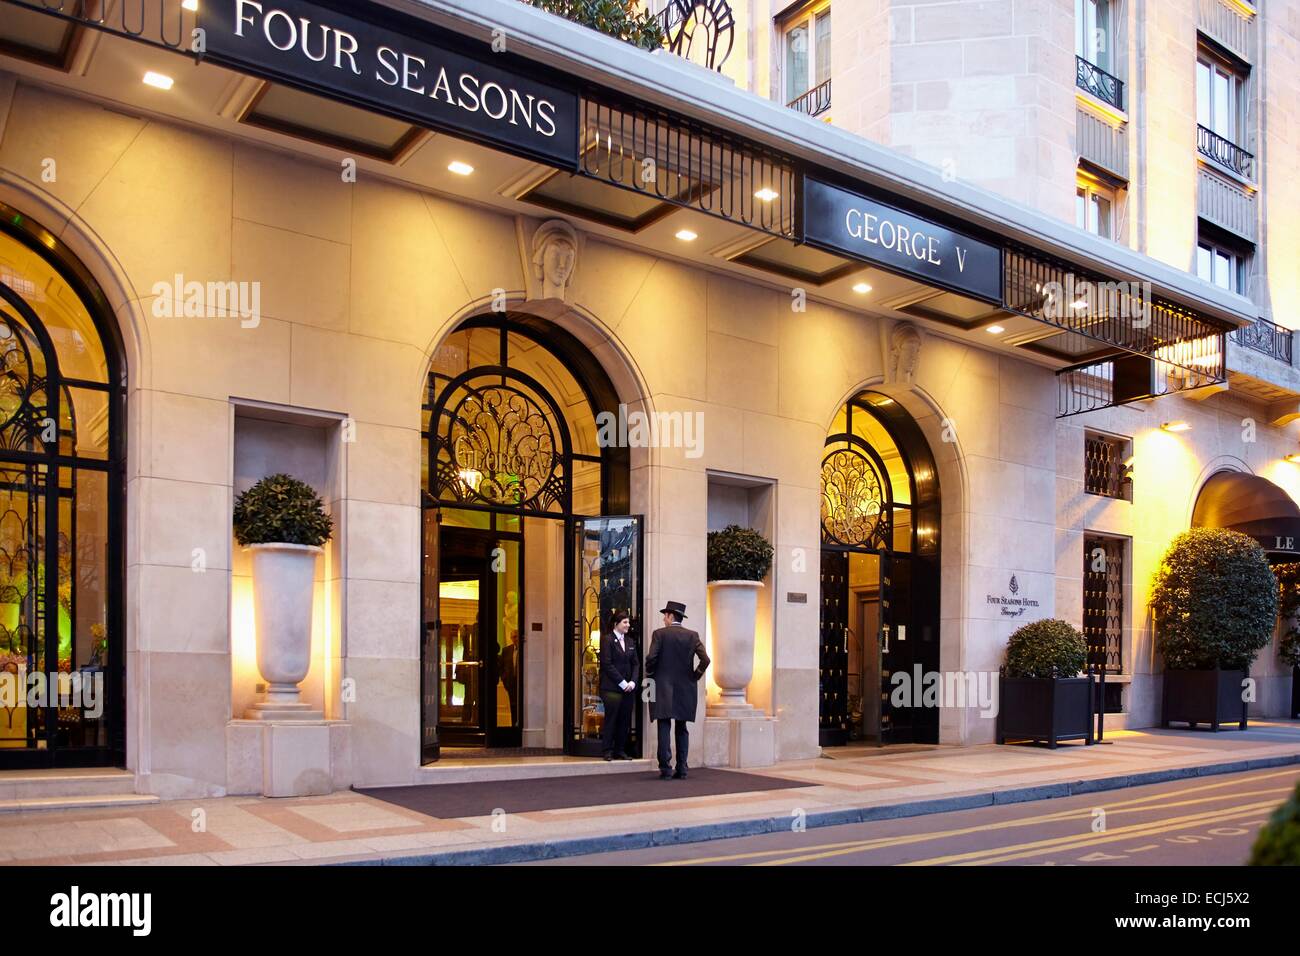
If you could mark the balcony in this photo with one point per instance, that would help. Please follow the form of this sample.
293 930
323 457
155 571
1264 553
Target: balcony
1091 78
1225 153
815 102
1267 338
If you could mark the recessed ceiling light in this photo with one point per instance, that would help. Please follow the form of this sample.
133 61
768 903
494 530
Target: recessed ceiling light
685 235
459 168
1294 458
766 194
190 4
1179 426
159 80
862 288
995 330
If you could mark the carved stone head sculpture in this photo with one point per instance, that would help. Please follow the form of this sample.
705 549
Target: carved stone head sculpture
904 349
555 257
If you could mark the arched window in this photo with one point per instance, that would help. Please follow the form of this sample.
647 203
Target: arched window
61 453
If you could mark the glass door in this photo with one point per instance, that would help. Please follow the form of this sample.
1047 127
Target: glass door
605 579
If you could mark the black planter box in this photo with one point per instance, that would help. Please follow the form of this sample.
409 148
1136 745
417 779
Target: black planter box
1203 697
1044 708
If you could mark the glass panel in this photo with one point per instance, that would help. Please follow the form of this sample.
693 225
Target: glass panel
83 606
1205 263
796 62
76 341
465 518
83 430
509 650
429 661
608 582
1081 207
1222 101
822 59
1203 94
1222 269
863 647
1101 216
22 603
460 656
902 529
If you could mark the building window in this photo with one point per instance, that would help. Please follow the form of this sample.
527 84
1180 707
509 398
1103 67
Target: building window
807 41
1221 111
1093 56
1094 207
1103 602
1224 266
1106 466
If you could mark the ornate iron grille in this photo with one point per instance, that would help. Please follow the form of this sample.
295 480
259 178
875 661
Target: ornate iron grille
833 706
1224 152
1093 79
855 500
815 102
1266 337
709 21
1103 602
652 152
1104 471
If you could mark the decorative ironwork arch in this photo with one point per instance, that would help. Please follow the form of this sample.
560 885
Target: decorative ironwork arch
856 498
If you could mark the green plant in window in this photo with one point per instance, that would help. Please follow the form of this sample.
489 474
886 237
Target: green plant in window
280 509
615 18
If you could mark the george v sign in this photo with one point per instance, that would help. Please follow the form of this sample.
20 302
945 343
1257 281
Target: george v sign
408 77
848 223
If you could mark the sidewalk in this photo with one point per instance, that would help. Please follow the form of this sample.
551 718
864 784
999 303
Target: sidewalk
856 785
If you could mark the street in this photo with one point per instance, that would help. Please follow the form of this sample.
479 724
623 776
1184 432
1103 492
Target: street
1199 821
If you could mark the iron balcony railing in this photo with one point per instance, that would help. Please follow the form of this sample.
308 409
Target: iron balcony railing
1093 79
815 102
1266 337
1104 470
1225 152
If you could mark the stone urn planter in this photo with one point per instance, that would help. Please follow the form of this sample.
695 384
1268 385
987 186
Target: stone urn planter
282 523
738 560
284 576
733 619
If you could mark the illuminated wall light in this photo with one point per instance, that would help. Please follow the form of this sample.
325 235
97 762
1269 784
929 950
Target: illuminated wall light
190 5
766 194
862 288
459 168
1294 458
158 80
995 330
1178 426
686 235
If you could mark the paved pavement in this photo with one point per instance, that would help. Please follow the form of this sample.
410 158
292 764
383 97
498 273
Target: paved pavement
1199 821
855 786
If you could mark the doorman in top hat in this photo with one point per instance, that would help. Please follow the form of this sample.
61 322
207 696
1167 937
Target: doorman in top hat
671 663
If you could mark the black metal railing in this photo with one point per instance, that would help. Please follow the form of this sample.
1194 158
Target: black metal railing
1267 337
1105 471
710 23
1103 603
815 102
1093 79
1225 152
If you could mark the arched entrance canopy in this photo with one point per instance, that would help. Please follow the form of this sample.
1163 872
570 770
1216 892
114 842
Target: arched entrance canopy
1253 506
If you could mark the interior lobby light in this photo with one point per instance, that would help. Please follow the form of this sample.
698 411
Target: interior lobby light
1178 426
159 80
862 288
686 235
766 194
190 5
995 330
459 168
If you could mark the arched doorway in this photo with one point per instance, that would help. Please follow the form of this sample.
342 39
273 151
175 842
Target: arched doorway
62 449
879 577
528 547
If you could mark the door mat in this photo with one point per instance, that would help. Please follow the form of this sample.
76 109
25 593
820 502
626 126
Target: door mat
448 800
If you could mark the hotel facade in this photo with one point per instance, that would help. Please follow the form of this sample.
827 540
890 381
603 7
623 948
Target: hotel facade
969 307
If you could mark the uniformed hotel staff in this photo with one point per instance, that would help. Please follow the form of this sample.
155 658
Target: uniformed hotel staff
620 667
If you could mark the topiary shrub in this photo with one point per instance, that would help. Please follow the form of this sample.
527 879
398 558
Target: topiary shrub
738 554
615 18
280 509
1288 610
1214 601
1047 648
1278 844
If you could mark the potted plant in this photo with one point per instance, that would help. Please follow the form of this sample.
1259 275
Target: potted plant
1040 693
1215 607
282 522
738 560
1288 648
1278 843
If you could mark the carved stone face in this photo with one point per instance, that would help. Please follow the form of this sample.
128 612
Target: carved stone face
555 257
557 262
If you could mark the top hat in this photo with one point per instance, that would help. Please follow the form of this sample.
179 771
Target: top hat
675 607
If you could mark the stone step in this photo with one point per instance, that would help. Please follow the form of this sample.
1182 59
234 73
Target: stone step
21 785
89 802
520 768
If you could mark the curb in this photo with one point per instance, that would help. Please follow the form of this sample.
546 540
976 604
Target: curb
704 832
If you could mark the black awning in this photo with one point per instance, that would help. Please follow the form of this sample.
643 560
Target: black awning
1252 505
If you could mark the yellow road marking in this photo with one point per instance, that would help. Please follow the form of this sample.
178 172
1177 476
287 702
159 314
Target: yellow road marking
1133 805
